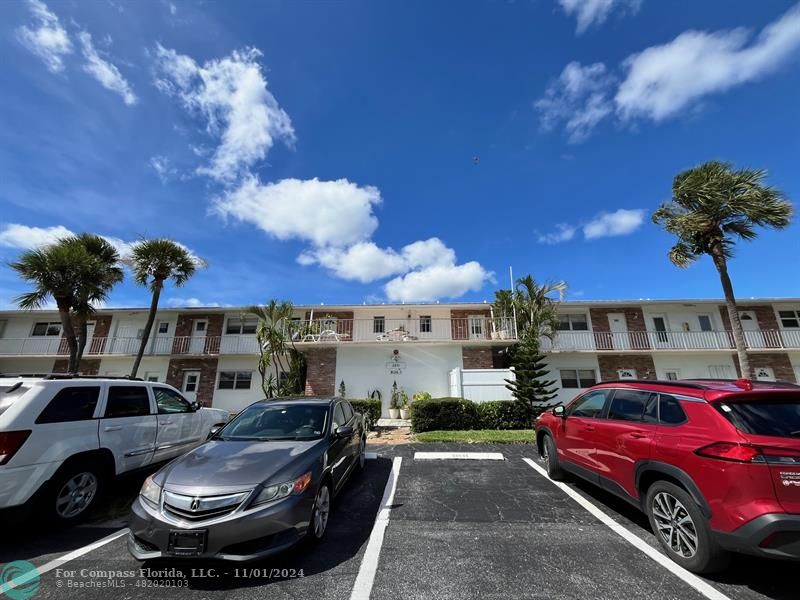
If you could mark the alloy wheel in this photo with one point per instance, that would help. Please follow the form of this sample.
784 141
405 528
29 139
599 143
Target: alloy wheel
76 495
674 524
322 507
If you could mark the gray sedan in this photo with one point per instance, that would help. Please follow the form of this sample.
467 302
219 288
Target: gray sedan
260 484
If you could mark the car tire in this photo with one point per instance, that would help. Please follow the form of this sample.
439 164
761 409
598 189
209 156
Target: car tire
682 529
550 458
320 513
361 459
74 492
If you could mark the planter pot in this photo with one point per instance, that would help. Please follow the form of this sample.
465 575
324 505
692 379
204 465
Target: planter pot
394 413
405 413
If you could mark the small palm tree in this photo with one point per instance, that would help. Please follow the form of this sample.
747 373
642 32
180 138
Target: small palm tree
276 344
712 207
536 306
154 262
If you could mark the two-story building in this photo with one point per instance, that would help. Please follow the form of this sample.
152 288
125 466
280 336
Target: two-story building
444 349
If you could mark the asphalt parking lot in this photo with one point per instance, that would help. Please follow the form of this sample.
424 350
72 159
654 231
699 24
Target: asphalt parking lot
455 529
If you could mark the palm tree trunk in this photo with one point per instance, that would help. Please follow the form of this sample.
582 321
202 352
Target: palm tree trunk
83 334
151 317
733 312
69 334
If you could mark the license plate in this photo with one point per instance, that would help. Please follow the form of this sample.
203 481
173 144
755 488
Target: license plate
187 543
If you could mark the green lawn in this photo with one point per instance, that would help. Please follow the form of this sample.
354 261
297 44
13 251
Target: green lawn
479 436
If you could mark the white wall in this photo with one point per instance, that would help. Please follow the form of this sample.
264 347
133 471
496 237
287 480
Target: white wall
424 369
692 366
481 385
677 315
236 400
569 360
119 366
26 365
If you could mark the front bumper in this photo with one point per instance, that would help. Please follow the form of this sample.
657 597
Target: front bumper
774 535
243 536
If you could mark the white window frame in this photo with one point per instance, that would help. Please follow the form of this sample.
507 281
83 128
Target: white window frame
242 322
149 374
48 325
159 325
627 374
426 324
569 316
577 371
378 319
796 317
677 373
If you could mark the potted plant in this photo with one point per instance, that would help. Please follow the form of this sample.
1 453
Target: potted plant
405 408
394 403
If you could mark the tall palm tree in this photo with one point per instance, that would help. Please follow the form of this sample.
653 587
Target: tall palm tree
536 306
275 342
154 262
713 206
75 271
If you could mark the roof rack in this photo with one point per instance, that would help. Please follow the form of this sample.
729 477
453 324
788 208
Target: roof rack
775 384
51 376
685 383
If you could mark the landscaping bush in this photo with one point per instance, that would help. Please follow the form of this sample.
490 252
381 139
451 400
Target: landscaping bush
438 414
503 414
370 409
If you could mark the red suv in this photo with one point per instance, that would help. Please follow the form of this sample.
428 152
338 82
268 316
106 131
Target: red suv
714 464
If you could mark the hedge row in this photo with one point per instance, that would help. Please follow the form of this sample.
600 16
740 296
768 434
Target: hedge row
448 414
370 409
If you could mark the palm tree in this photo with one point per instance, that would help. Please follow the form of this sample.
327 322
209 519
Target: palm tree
275 342
712 207
536 306
76 272
153 262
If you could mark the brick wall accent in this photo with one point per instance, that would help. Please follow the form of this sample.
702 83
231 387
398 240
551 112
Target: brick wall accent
88 366
320 371
777 361
102 328
344 321
611 363
183 330
602 330
208 376
477 358
459 322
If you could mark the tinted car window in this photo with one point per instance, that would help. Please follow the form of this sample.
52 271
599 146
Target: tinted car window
71 404
348 411
629 405
780 418
338 417
651 410
590 405
276 422
669 410
127 401
169 401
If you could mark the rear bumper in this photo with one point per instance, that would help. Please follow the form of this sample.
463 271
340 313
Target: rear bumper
775 535
19 484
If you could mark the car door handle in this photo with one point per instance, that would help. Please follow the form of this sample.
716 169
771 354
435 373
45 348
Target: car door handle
588 428
638 435
166 422
113 428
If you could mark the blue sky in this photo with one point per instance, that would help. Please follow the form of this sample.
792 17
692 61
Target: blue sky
348 152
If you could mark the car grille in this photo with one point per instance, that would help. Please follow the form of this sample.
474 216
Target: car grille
201 508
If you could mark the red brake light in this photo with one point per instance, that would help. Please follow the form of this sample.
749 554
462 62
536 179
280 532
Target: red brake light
729 451
10 442
745 384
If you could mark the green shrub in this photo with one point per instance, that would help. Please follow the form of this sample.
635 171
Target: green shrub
370 409
443 414
503 414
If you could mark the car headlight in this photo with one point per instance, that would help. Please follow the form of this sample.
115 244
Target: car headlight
278 491
151 492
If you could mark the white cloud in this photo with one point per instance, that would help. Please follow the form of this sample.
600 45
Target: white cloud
47 39
325 213
563 233
231 93
104 72
619 222
163 168
14 235
578 98
595 12
190 303
661 81
437 281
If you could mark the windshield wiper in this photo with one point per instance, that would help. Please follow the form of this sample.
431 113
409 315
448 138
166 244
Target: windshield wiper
277 439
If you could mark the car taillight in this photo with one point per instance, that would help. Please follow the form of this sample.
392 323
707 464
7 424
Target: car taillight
10 442
749 453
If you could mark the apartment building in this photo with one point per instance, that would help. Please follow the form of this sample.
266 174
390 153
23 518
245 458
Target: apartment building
445 349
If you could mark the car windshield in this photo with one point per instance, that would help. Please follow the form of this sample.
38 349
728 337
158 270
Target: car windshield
780 418
282 422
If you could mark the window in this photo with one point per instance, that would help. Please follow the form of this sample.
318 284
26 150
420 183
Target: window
127 401
660 325
705 322
629 405
200 325
190 379
338 417
169 401
669 410
244 325
150 376
45 328
163 327
626 373
577 378
235 380
71 404
573 322
672 375
590 405
764 416
378 324
348 411
790 319
425 324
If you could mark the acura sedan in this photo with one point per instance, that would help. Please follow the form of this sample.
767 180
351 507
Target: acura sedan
259 485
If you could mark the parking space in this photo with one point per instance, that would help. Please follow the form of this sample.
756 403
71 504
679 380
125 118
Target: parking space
456 529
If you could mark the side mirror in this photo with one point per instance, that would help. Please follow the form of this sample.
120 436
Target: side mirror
194 406
214 431
344 431
560 411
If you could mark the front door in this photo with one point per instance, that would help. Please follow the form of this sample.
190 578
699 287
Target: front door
618 326
752 332
197 343
191 381
476 327
659 337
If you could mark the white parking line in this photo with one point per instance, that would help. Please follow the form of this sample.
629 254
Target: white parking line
458 456
369 564
633 539
57 562
370 455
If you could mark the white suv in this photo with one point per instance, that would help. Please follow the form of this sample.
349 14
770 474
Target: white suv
63 438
